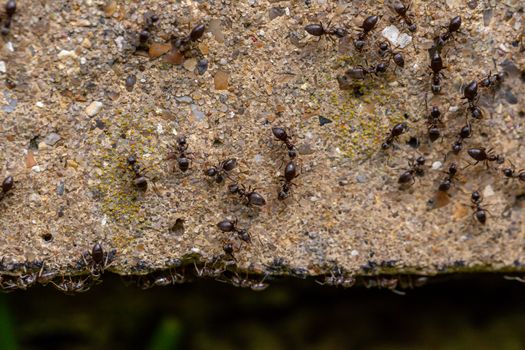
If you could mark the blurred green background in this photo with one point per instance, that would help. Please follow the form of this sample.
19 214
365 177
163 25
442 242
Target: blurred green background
483 312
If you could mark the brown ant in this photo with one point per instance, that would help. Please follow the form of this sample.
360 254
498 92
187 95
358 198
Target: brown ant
231 226
220 171
7 186
141 180
251 197
182 158
416 168
479 213
396 131
436 64
281 135
483 155
511 173
98 260
368 25
445 185
290 173
401 11
319 30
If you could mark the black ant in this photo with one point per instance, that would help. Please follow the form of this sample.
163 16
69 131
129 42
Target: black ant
479 213
7 185
281 135
231 226
368 25
436 64
416 168
10 9
145 34
397 57
396 131
180 154
470 93
251 197
220 171
401 11
445 185
483 155
361 72
475 112
290 173
319 30
511 173
97 259
464 133
196 33
433 122
140 180
453 26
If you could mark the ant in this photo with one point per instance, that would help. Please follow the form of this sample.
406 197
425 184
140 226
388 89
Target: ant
436 64
361 72
511 173
384 49
416 168
281 135
396 131
290 173
140 180
445 185
182 43
479 213
453 26
145 34
7 185
401 11
71 286
97 259
220 171
251 197
470 93
368 25
10 9
319 30
231 226
433 120
182 158
464 133
483 155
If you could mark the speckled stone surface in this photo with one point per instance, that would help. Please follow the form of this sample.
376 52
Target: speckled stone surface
74 117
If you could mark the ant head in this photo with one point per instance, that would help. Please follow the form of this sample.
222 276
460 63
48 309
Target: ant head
475 197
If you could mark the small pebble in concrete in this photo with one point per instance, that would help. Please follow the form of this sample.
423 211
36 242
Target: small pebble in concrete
52 138
94 108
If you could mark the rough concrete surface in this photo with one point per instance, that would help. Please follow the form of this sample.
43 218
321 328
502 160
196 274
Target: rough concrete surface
71 117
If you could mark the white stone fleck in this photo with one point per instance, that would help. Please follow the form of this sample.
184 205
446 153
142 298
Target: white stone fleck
36 169
488 191
195 250
9 46
258 158
3 68
40 104
119 41
63 54
354 253
453 109
160 129
392 34
437 165
94 108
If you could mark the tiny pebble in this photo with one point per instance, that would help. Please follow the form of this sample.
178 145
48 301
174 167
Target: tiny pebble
52 138
197 113
436 165
130 82
202 66
361 179
40 104
510 97
190 64
488 191
3 68
94 108
453 109
221 80
184 99
63 54
323 120
354 253
60 188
